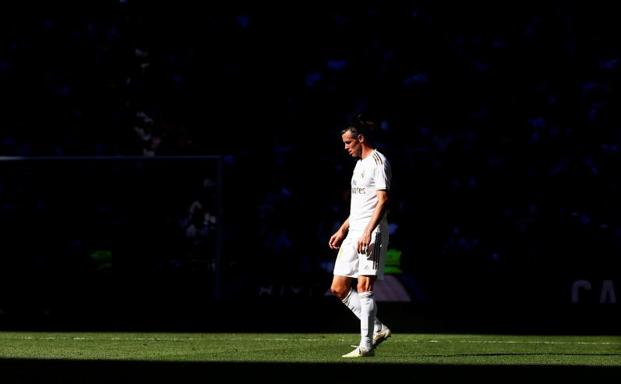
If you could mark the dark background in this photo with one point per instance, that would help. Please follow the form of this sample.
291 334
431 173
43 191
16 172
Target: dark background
501 123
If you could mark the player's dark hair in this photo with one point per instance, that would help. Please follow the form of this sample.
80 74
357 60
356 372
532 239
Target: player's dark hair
361 125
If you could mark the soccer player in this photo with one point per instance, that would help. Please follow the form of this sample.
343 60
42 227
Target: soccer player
362 239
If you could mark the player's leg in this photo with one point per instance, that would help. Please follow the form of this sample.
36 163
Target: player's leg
371 269
368 310
352 301
345 269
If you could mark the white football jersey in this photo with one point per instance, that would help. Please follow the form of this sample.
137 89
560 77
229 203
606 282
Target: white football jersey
370 175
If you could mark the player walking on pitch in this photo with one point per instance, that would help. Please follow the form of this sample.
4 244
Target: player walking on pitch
362 239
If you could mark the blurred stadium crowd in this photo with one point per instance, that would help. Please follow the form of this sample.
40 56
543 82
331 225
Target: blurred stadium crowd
502 127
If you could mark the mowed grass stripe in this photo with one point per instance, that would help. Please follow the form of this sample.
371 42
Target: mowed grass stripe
417 338
314 348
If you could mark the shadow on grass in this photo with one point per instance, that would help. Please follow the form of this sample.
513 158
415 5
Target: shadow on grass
113 371
522 354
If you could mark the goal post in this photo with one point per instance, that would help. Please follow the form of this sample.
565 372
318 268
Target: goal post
139 220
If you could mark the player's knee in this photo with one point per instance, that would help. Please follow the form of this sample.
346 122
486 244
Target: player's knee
339 291
365 286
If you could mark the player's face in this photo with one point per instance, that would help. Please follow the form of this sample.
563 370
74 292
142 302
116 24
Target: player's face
352 144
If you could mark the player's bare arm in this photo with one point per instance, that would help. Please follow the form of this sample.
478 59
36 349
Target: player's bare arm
337 238
378 213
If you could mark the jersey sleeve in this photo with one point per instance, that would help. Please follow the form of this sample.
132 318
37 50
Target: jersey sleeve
383 176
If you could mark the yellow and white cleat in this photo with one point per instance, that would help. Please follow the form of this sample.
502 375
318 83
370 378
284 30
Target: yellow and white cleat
381 336
359 353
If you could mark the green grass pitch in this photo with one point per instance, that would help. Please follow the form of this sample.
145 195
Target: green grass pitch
111 357
456 349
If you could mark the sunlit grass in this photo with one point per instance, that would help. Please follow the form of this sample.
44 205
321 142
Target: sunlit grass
428 349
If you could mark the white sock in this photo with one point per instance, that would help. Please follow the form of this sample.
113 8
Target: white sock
367 314
352 301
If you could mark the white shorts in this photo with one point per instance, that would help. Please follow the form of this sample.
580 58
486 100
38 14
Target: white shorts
353 264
